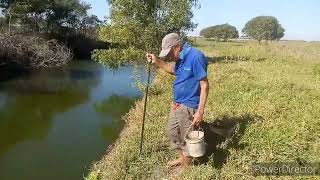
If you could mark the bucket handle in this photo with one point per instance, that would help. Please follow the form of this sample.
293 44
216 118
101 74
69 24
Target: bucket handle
199 128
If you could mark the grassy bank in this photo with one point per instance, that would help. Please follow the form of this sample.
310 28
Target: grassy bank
271 91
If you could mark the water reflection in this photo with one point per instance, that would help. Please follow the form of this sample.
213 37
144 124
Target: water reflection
55 80
114 107
37 98
55 122
3 99
29 116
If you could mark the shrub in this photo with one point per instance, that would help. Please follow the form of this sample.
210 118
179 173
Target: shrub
32 51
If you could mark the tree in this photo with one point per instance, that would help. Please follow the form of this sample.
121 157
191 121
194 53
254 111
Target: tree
66 14
48 16
137 26
205 32
263 28
88 26
3 23
5 4
280 33
223 31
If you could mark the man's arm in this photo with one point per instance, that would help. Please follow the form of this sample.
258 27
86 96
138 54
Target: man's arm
168 67
204 90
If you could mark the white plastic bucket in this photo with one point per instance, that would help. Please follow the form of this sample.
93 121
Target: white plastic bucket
195 142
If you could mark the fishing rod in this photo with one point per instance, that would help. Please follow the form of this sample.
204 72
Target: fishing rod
157 4
145 108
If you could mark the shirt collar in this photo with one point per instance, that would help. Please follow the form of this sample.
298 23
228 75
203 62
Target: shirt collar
185 50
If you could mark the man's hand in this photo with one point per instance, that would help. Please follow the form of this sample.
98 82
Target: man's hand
152 58
197 118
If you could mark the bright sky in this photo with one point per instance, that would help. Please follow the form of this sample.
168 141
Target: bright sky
300 18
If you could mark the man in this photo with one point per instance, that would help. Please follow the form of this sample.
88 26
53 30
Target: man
190 88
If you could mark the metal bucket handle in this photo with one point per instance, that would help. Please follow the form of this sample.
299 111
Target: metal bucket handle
199 128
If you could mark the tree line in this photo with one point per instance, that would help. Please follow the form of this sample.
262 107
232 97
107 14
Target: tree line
137 26
47 16
132 28
259 28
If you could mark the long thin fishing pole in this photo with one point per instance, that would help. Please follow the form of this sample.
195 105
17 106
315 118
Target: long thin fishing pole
144 109
146 96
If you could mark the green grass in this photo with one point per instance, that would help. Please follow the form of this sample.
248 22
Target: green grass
274 88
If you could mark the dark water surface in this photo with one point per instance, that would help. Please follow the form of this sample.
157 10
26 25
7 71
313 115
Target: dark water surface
55 123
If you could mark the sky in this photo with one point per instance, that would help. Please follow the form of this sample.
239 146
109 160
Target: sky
300 18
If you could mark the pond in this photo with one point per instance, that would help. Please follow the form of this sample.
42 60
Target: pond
54 123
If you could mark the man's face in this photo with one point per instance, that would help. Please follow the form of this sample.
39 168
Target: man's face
174 53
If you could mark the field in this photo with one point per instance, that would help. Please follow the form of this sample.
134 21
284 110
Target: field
270 93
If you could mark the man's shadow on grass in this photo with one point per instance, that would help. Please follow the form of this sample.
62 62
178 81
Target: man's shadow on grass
222 134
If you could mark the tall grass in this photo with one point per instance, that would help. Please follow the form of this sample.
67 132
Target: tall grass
275 88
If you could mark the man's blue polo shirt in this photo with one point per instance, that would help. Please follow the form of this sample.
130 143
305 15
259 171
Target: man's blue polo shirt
189 70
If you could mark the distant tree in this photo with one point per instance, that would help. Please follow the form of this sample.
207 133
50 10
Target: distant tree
280 33
204 32
263 28
218 32
137 26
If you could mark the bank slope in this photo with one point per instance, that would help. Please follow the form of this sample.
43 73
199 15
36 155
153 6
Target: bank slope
270 93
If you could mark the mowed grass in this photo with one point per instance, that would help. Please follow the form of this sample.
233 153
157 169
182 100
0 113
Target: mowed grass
271 91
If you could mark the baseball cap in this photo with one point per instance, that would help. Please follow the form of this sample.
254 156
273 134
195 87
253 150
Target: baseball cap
169 41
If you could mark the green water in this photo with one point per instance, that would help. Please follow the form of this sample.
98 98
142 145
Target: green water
54 123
